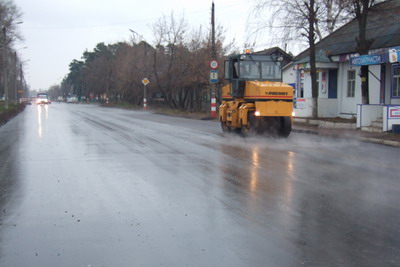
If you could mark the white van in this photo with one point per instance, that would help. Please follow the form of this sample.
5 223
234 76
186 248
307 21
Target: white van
42 98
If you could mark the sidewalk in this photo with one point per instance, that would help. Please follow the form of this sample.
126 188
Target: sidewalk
341 130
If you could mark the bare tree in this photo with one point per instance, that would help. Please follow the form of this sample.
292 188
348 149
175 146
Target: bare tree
294 20
9 19
360 10
169 35
177 67
331 16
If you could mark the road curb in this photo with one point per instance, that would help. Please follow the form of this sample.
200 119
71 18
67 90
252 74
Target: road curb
380 141
326 124
362 139
305 131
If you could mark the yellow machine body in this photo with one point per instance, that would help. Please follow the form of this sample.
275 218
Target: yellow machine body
262 105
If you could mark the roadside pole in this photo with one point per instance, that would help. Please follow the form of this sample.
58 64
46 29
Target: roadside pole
145 82
5 78
213 81
214 66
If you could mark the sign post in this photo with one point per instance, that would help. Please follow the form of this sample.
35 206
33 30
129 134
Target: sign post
213 66
145 82
213 80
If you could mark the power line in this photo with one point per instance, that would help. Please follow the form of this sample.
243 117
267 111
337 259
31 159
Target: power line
123 22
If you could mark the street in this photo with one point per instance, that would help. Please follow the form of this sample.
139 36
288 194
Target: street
82 185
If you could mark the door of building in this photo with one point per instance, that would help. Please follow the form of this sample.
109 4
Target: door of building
332 84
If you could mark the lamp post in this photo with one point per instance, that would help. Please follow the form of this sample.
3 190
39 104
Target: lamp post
5 69
137 34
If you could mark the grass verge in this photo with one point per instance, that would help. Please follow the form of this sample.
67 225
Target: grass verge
12 111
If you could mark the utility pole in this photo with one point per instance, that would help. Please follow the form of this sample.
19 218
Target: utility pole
21 86
213 58
5 78
15 79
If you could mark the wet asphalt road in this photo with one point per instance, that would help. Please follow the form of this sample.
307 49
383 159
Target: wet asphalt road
89 186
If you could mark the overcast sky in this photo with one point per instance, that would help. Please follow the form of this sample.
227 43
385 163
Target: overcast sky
58 31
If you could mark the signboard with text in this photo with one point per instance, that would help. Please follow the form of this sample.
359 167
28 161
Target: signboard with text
213 76
367 60
394 112
301 103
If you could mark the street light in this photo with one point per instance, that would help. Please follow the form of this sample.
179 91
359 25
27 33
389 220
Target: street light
135 33
145 81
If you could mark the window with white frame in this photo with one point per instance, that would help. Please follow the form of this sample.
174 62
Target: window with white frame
396 81
351 83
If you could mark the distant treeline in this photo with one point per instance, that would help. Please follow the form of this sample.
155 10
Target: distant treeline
177 66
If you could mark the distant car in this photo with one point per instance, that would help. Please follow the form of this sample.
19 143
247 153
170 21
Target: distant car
25 101
72 99
42 98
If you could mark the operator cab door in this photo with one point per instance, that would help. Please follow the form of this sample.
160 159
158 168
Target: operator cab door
232 74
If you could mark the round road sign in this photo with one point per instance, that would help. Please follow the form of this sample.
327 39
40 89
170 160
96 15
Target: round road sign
214 64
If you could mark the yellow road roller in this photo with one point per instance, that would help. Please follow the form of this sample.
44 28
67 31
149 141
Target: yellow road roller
256 100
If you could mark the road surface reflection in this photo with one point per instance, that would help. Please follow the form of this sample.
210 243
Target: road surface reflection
258 175
43 114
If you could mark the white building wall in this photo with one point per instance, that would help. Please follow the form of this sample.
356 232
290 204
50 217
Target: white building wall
348 105
289 75
307 85
327 108
374 84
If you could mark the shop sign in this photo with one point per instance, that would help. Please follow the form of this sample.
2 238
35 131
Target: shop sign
301 103
301 66
367 60
394 112
393 55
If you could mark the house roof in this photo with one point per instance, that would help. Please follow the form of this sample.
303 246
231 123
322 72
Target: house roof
383 27
276 51
273 51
